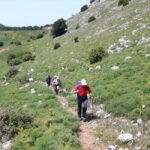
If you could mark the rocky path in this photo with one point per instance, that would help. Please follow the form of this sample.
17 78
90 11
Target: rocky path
86 137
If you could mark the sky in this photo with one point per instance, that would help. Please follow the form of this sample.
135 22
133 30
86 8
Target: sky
37 12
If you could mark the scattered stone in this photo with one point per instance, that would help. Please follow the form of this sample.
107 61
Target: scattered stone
138 148
39 94
6 84
6 145
91 68
98 67
140 122
114 123
30 79
125 138
77 61
115 67
106 116
32 90
97 139
39 103
143 106
147 55
25 106
139 134
128 57
100 113
111 147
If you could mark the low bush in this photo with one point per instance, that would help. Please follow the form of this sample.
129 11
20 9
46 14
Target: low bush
32 37
14 62
40 35
1 43
56 46
11 72
77 26
11 56
28 40
97 54
23 79
17 43
11 122
84 8
76 39
92 18
123 2
27 57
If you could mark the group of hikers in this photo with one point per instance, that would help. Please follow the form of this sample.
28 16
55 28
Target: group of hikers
81 89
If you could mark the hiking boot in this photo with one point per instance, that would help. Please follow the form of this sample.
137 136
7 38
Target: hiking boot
84 119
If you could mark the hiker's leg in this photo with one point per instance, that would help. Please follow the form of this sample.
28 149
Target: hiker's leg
85 102
79 102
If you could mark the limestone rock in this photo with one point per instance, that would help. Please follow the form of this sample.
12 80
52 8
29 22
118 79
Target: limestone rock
125 137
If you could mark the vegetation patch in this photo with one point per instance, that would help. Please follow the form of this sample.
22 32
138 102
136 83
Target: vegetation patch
1 43
84 8
97 54
11 122
11 72
57 45
92 18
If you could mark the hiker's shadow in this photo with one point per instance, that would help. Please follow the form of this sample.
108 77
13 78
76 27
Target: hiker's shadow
90 117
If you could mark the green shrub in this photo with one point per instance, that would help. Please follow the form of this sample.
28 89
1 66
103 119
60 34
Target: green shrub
12 42
1 43
33 37
28 40
92 18
123 2
11 56
11 72
14 62
23 79
11 122
97 54
17 43
83 8
77 26
27 57
76 39
40 35
56 46
59 28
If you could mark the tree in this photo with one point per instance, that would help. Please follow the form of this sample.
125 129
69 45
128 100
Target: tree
59 27
123 2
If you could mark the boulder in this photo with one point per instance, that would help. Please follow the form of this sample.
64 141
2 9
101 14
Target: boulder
125 137
111 147
100 113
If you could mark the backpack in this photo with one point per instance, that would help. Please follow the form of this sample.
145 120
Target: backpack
57 82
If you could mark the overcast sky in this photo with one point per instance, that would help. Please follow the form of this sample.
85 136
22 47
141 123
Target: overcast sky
37 12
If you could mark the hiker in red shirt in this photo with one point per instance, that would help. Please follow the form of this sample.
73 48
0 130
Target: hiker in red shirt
81 90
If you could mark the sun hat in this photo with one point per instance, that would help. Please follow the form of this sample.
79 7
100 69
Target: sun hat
83 82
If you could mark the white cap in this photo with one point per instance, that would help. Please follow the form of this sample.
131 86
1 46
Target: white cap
83 82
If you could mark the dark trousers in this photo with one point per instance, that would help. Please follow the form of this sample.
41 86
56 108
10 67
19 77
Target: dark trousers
80 100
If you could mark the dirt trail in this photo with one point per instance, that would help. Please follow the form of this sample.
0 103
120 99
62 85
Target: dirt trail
86 137
3 49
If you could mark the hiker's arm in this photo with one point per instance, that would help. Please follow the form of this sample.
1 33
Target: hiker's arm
76 91
90 91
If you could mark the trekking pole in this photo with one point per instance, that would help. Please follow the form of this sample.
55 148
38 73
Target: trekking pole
92 98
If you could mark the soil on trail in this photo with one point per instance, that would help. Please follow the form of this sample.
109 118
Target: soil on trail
3 49
86 137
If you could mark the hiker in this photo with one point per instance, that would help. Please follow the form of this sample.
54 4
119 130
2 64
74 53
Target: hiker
48 81
56 84
81 90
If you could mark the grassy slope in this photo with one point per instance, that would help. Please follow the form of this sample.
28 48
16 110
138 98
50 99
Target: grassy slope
122 91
